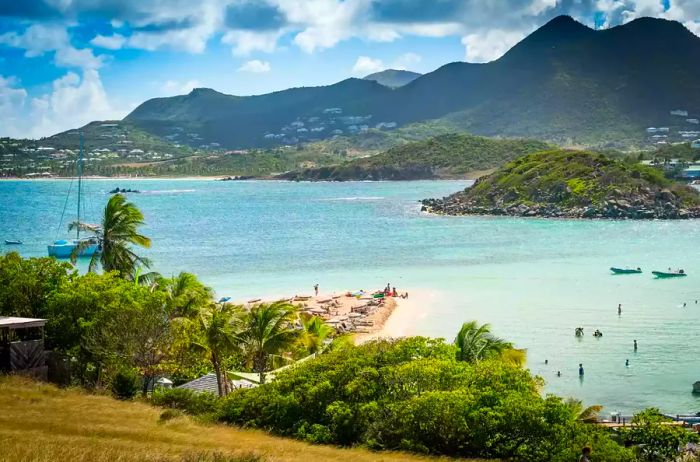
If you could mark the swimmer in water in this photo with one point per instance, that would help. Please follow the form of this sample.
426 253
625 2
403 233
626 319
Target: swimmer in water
627 363
580 369
558 373
635 345
546 361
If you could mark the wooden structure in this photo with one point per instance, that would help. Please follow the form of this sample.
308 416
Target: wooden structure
22 346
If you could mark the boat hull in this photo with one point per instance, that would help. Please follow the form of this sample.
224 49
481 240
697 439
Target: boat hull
64 249
625 271
663 275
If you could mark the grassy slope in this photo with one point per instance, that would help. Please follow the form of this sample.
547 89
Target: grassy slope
572 178
39 422
447 155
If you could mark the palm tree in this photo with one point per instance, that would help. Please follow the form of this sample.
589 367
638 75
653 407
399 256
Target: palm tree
266 331
475 343
581 414
313 334
186 295
218 340
119 229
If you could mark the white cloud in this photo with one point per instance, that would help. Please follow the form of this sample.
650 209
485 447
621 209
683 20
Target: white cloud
366 65
110 42
245 42
490 45
173 87
38 39
255 66
407 61
73 102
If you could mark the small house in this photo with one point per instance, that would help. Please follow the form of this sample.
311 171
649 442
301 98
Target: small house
695 144
22 346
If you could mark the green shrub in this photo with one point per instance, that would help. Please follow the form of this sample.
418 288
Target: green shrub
125 384
413 394
186 400
656 440
169 414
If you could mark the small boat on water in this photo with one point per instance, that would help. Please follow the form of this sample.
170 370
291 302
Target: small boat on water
85 246
669 274
12 242
626 270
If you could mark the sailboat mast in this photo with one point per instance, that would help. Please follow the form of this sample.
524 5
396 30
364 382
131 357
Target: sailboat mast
80 182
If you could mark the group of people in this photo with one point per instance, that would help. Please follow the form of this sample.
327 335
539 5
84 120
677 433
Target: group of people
390 291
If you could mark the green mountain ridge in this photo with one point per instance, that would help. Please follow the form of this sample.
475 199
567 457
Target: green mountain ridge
393 78
565 83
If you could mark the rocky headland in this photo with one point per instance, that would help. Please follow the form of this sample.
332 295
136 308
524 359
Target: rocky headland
572 184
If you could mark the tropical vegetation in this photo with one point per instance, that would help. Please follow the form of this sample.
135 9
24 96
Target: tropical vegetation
574 184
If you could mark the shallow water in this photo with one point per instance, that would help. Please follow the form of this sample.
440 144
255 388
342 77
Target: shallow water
534 280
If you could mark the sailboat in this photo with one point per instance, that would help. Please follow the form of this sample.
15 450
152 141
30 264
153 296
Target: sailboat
63 248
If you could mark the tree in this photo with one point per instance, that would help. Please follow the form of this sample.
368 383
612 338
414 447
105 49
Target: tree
27 284
581 414
218 339
657 440
475 343
186 295
313 334
266 331
119 230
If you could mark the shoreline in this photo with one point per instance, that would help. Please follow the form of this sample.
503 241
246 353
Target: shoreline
358 313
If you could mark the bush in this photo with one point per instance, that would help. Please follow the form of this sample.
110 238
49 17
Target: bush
657 441
412 394
185 400
125 384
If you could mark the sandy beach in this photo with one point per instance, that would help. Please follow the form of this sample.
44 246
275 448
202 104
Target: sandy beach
361 313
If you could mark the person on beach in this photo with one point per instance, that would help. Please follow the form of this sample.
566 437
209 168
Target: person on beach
580 369
316 289
394 293
585 455
635 345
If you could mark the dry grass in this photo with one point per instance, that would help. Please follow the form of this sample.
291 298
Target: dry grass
39 422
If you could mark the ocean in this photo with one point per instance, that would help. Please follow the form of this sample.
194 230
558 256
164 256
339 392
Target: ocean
533 280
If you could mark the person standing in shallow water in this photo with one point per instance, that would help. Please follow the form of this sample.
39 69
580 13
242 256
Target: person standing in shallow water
316 289
580 369
619 309
635 345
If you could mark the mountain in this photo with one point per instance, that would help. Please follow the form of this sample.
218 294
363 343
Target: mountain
393 78
565 83
572 184
444 156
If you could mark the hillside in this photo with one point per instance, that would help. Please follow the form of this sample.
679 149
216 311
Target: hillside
393 78
444 156
565 83
42 423
574 184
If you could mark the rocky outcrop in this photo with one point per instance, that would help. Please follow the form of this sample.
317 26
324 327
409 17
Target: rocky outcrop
603 189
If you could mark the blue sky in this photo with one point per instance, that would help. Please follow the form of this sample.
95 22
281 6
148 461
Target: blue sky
64 63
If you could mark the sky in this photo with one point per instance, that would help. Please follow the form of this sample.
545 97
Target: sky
64 63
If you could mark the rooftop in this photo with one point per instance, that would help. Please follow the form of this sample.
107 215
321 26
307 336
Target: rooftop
20 323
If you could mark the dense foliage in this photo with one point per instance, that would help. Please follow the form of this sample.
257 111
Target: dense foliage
573 178
657 440
414 394
441 156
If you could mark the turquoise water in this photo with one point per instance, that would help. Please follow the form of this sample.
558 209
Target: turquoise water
534 280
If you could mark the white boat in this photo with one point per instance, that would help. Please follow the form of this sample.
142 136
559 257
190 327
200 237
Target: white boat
63 248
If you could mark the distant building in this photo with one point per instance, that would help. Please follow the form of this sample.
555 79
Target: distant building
663 129
695 144
679 112
692 172
652 130
208 384
22 346
693 121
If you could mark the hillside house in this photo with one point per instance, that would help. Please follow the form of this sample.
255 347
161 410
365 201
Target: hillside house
695 144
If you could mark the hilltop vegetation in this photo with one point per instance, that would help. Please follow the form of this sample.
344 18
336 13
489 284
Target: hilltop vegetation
449 155
576 184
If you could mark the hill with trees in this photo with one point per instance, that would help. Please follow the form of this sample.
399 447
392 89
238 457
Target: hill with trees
444 156
565 83
574 184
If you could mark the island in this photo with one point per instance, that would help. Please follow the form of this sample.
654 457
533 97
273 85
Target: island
572 184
